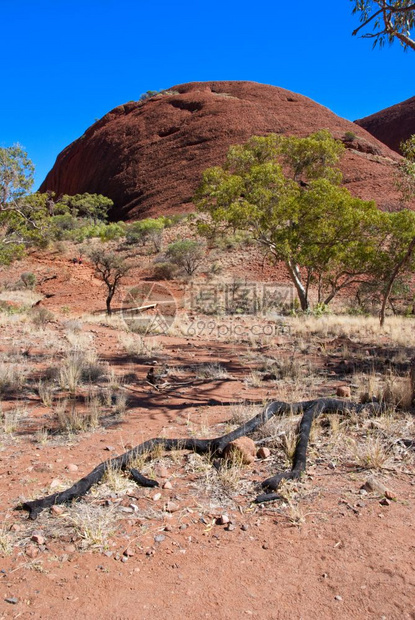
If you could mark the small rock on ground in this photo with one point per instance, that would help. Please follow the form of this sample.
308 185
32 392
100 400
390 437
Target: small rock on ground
243 448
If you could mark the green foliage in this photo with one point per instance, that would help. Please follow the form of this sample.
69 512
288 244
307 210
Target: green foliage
20 223
187 254
164 271
89 206
111 232
16 175
36 219
285 192
152 93
387 20
148 230
147 95
408 148
28 278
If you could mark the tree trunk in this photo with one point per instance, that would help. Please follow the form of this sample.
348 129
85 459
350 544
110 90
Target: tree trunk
412 378
299 287
108 303
392 279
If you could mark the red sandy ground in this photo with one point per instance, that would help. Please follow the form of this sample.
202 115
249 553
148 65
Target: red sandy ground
344 561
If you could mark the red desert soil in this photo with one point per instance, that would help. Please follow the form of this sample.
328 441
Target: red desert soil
392 125
148 156
343 555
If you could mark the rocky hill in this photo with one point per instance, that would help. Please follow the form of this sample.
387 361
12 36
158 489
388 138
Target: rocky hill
392 125
148 156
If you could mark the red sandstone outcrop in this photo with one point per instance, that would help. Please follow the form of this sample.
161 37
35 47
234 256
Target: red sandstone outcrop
148 156
392 125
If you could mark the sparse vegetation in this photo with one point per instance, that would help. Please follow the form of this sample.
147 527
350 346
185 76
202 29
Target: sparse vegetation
186 254
111 269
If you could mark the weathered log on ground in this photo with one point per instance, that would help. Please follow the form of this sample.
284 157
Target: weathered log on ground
215 447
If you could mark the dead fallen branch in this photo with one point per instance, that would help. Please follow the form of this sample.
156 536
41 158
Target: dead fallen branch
214 447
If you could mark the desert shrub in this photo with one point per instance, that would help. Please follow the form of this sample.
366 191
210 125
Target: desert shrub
187 254
111 232
350 136
147 95
28 278
164 271
63 225
73 325
148 230
41 316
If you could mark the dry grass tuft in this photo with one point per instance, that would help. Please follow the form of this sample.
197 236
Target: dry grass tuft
94 524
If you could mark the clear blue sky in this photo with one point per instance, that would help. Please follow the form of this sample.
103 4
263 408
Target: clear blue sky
66 63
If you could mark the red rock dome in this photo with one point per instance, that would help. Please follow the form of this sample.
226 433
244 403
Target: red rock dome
392 125
148 156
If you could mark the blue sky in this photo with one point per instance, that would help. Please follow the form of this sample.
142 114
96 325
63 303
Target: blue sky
66 63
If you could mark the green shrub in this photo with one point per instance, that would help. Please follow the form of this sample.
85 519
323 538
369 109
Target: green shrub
144 231
350 136
111 232
164 271
186 254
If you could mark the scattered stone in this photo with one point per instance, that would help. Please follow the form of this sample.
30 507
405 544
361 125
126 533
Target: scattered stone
128 552
156 497
16 527
72 467
263 453
108 554
12 600
171 507
331 465
55 483
161 471
109 448
243 448
32 552
230 527
343 391
385 502
167 485
222 520
159 538
41 467
150 552
374 485
168 528
38 538
338 598
184 526
244 527
265 545
124 559
57 510
70 548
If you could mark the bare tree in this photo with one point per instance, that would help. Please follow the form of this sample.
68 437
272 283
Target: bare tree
110 268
